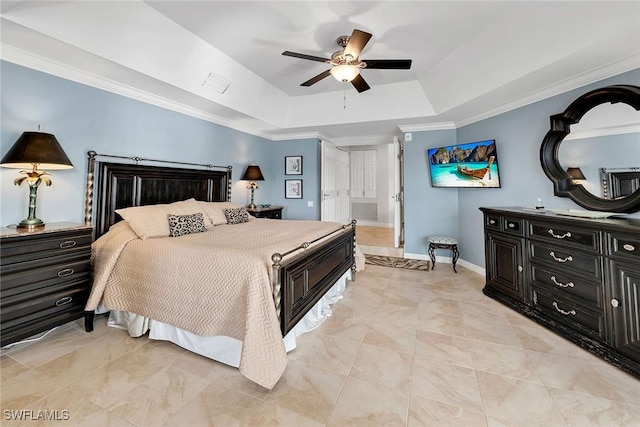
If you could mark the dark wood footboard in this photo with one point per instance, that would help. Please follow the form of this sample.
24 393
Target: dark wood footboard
301 281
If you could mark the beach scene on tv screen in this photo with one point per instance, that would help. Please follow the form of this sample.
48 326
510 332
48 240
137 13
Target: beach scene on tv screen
465 165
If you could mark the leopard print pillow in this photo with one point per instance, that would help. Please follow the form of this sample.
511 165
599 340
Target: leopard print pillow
179 225
236 216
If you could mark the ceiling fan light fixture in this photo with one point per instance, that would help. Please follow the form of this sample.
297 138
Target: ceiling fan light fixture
345 73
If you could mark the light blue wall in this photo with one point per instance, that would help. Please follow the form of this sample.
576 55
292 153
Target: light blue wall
518 136
309 149
428 210
84 118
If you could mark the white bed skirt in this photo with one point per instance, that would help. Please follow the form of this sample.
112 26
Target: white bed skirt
222 348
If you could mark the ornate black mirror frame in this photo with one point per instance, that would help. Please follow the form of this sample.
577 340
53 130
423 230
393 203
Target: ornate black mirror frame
563 185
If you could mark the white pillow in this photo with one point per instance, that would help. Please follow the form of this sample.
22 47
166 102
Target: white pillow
215 210
152 220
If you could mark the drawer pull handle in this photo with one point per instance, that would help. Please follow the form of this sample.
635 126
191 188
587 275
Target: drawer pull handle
562 285
629 247
492 221
63 301
66 272
68 244
559 236
553 255
561 311
511 225
615 302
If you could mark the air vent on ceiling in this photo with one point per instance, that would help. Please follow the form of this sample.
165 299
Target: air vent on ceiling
216 83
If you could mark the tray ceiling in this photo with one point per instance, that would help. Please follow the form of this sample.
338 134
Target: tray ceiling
470 59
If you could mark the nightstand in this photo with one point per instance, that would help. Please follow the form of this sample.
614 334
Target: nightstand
44 278
272 212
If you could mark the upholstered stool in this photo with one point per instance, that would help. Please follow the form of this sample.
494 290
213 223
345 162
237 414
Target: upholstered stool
443 242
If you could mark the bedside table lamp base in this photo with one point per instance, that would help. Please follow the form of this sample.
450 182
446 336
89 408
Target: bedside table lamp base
34 179
253 187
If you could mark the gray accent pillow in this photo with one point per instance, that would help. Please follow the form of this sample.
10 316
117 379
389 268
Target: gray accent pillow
179 225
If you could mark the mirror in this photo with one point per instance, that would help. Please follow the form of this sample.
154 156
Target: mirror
607 136
600 126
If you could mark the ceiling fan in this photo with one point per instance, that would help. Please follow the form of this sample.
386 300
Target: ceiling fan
346 63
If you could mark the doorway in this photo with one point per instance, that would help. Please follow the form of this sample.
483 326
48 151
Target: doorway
378 204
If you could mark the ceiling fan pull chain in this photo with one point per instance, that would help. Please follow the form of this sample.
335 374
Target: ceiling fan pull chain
344 99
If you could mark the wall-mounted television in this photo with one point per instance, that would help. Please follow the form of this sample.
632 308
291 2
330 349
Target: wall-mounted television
474 164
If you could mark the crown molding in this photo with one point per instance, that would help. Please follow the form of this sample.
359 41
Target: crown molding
301 135
628 63
362 140
46 65
427 127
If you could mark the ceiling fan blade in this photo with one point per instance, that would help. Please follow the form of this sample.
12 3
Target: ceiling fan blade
389 64
303 56
356 43
317 78
360 84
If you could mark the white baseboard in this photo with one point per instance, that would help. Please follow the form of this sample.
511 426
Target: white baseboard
447 260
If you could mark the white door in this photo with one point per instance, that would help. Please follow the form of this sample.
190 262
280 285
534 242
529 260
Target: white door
398 195
335 201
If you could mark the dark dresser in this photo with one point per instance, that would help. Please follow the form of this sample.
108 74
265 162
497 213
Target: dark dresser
578 277
44 278
271 212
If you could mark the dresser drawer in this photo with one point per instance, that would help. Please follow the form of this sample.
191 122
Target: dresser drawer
26 277
590 292
513 226
572 314
16 250
492 222
565 235
569 260
621 246
45 301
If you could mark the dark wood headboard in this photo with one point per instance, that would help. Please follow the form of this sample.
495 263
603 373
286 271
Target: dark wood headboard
121 185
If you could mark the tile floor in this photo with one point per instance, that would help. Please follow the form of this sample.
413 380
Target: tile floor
403 348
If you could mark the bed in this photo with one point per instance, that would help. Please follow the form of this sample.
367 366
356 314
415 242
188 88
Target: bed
235 293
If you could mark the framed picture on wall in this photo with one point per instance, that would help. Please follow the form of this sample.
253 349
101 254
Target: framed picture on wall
293 189
293 165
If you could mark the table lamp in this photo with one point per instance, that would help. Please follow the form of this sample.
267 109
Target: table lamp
252 174
30 151
576 174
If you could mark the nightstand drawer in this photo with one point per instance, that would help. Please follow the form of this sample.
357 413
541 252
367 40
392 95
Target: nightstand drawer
35 304
271 212
35 275
17 250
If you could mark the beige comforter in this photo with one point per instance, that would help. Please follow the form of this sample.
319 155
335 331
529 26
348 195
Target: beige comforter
211 283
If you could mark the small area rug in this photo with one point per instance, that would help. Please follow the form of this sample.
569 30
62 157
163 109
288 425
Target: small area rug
389 261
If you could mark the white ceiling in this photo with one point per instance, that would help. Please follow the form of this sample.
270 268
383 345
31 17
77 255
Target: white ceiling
471 59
